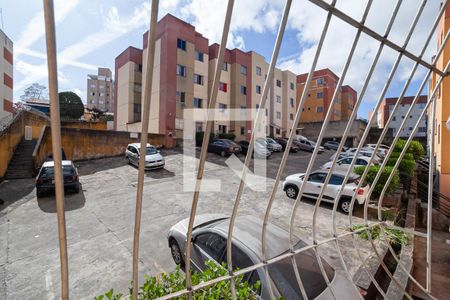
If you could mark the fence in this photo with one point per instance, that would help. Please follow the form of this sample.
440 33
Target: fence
361 28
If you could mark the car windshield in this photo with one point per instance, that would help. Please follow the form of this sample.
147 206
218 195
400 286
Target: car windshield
49 171
270 141
151 151
312 143
283 276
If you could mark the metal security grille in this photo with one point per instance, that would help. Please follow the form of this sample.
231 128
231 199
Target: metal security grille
384 41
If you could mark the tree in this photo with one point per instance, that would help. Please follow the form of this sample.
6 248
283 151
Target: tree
70 105
35 91
370 177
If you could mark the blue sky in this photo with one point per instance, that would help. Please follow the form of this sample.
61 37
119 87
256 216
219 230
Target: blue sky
92 33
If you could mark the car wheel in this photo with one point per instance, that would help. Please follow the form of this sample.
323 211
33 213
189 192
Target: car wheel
344 205
291 191
77 189
222 153
128 160
38 193
176 253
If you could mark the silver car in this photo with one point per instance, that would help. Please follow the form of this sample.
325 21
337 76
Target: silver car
153 158
209 238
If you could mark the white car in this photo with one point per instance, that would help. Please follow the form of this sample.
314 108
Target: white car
315 182
381 151
344 163
363 152
153 158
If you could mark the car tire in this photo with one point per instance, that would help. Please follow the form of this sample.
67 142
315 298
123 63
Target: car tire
291 191
38 193
77 189
222 153
176 253
344 205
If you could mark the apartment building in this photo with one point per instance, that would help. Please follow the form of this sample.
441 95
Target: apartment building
100 90
441 137
6 68
182 78
348 100
320 94
385 111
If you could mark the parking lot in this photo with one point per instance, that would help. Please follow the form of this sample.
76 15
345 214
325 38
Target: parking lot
100 222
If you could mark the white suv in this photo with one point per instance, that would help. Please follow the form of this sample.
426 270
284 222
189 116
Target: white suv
315 182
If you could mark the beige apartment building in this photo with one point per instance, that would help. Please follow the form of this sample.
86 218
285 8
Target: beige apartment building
100 90
182 78
6 69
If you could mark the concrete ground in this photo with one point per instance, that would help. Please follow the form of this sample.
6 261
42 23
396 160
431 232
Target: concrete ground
100 222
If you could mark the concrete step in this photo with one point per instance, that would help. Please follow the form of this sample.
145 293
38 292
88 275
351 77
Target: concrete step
21 164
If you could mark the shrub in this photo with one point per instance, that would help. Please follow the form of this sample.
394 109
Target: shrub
373 170
405 168
155 287
199 137
229 136
396 155
416 149
395 237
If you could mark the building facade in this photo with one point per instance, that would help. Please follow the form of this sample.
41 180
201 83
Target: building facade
441 138
6 69
385 111
320 95
183 77
100 90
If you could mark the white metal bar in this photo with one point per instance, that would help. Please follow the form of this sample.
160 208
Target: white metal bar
144 138
50 39
201 167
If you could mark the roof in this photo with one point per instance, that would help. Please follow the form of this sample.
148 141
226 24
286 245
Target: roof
247 230
52 163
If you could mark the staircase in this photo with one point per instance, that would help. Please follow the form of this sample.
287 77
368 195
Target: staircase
21 164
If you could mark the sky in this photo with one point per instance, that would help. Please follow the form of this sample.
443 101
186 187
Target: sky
92 33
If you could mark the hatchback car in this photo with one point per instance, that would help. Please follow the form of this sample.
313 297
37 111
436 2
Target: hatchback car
224 147
283 143
273 145
308 145
315 182
332 145
344 163
259 150
45 180
153 157
209 239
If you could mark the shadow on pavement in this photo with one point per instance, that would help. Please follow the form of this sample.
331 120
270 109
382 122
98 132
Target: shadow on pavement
13 190
87 167
159 173
71 201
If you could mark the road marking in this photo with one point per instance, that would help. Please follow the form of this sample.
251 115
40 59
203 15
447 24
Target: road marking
49 285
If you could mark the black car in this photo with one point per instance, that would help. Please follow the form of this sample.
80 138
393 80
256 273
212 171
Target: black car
283 143
224 147
332 145
45 181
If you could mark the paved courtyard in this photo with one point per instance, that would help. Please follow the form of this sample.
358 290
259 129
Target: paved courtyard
100 222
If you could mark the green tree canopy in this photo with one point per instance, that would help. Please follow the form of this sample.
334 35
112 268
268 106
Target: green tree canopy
70 105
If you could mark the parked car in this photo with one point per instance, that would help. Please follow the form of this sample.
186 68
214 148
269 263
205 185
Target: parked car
45 180
209 239
363 152
263 142
316 179
258 149
381 151
344 163
274 145
224 147
308 145
283 143
153 157
332 145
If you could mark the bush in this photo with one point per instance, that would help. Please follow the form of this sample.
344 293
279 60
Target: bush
199 138
416 149
373 170
405 168
154 287
229 136
70 105
395 237
396 155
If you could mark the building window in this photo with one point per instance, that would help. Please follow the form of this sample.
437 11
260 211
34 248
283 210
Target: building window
222 129
243 70
136 108
292 86
198 79
267 112
243 90
278 99
242 130
181 70
92 85
422 129
197 103
258 89
225 66
198 126
394 118
320 95
319 109
93 94
291 116
292 102
223 87
181 98
199 56
277 131
258 71
278 115
222 106
181 44
257 106
319 81
278 83
137 88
